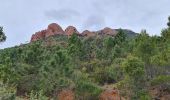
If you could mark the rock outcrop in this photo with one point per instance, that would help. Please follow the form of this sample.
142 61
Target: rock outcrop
38 35
88 33
70 30
107 31
55 29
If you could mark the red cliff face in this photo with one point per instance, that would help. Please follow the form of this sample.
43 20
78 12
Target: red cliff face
38 35
70 30
53 29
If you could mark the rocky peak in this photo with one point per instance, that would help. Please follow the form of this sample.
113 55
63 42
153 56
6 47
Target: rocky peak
107 31
70 30
53 29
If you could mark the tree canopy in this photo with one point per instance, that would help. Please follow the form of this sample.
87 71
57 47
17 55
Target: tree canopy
2 35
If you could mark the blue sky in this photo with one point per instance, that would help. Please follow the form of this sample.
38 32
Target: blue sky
22 18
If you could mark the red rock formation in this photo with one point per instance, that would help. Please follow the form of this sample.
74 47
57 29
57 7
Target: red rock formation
110 95
53 29
66 95
38 36
88 33
107 31
70 30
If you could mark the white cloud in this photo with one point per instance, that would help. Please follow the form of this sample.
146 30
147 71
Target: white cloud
62 14
94 22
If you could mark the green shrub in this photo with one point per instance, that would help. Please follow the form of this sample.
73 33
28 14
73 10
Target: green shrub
162 79
7 92
37 96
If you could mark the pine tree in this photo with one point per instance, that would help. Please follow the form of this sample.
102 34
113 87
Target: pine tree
2 35
168 22
120 37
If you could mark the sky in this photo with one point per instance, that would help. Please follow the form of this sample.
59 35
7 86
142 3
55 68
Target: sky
22 18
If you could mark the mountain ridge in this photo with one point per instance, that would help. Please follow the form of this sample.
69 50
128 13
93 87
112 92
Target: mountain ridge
56 29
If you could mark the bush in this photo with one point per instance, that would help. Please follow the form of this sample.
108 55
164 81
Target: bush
162 79
37 96
7 92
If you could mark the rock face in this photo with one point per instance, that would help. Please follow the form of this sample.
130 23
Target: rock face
53 29
38 35
107 31
88 33
70 30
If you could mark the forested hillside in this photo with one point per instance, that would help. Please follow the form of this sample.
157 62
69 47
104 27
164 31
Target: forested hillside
84 68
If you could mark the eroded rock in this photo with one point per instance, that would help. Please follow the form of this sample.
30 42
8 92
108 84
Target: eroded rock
53 29
70 30
107 31
88 33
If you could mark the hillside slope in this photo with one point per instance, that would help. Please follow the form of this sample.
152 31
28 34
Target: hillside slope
75 66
